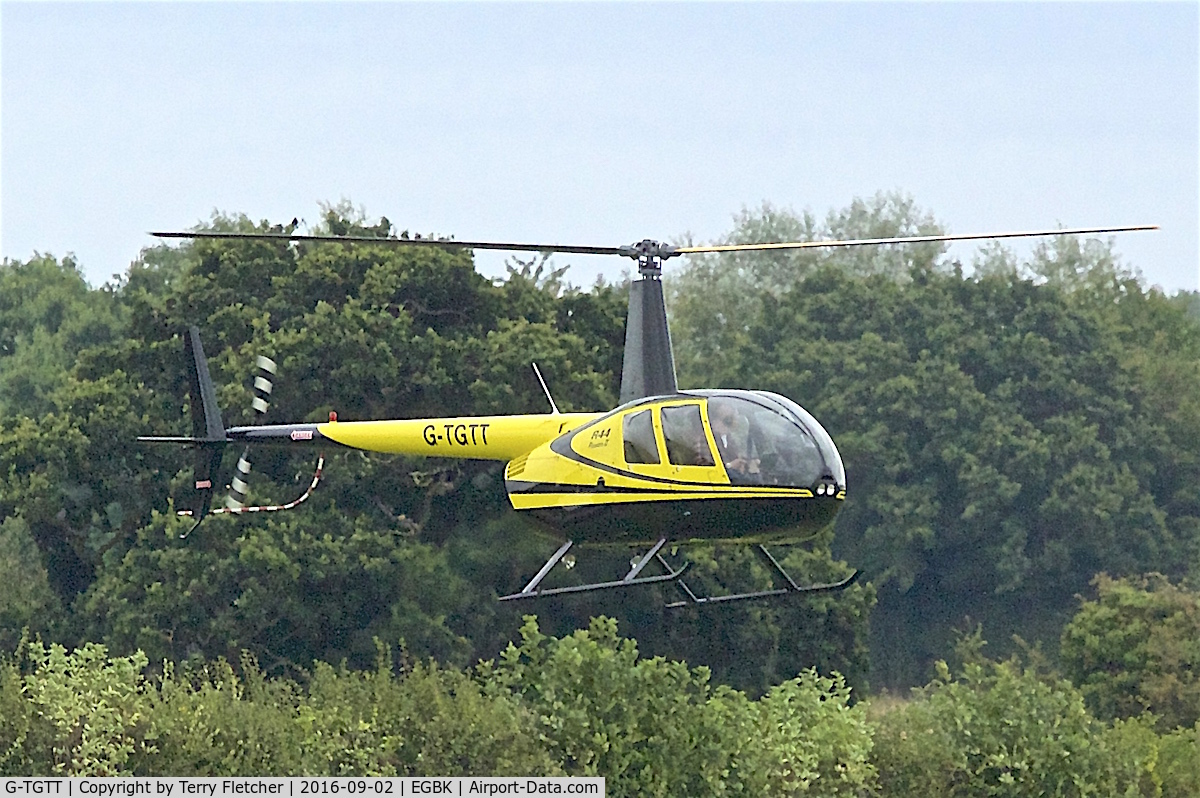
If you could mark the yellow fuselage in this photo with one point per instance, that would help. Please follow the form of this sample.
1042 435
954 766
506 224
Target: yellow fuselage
502 438
622 477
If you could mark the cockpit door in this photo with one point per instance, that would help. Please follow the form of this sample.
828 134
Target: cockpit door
687 444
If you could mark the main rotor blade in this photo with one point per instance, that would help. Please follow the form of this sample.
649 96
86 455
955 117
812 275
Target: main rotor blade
860 242
644 249
402 242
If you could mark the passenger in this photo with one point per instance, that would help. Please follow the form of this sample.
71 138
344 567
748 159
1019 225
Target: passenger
684 434
690 449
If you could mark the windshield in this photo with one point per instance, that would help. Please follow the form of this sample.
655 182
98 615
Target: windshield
769 443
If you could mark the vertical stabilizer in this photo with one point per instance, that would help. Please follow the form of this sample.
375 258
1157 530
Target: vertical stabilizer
206 424
206 416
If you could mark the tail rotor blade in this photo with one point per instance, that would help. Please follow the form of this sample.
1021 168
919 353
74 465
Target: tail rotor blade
263 383
239 486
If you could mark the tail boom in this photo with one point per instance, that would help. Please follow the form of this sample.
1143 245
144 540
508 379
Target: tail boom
499 438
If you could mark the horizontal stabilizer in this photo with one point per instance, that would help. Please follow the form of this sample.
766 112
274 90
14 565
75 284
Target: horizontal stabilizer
177 439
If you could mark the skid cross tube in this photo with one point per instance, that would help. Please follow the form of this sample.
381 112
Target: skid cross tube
792 589
531 588
637 569
631 578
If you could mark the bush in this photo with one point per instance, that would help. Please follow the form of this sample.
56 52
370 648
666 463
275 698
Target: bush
656 728
1000 729
428 722
27 600
1135 648
25 738
801 738
1179 762
431 721
96 708
209 721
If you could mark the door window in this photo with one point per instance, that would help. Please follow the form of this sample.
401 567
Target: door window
683 431
638 432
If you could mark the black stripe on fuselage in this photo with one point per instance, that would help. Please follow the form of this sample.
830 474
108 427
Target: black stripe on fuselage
733 491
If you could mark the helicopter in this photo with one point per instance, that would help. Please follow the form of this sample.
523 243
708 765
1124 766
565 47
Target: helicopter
665 467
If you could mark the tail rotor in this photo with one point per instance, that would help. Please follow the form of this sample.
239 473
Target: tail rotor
209 438
263 382
237 500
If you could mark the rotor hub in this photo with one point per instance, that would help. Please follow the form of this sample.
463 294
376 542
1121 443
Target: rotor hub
649 254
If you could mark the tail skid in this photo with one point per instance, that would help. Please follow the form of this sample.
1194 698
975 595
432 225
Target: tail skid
263 508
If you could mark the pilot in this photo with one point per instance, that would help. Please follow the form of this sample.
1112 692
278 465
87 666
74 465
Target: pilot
732 433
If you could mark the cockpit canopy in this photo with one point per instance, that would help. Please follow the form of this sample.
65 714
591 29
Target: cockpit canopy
760 438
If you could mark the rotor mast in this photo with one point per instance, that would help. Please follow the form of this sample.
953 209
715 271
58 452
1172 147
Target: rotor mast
649 364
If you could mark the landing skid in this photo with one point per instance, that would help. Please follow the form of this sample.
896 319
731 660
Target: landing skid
531 590
631 578
792 588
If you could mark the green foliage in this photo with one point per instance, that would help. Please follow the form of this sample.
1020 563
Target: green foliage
26 738
801 738
96 704
1136 648
1178 764
47 315
209 721
999 728
291 588
88 713
774 640
715 296
584 704
1133 747
1006 436
656 727
369 331
432 721
27 600
604 712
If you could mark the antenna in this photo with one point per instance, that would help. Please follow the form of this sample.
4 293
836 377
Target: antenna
538 372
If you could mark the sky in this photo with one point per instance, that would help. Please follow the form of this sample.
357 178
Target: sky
596 124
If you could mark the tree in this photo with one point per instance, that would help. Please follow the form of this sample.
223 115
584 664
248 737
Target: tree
1006 435
1135 648
27 601
657 727
371 332
714 296
999 728
292 590
47 315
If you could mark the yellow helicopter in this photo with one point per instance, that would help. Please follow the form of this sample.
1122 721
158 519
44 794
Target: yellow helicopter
667 466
